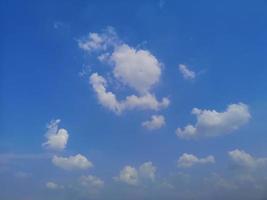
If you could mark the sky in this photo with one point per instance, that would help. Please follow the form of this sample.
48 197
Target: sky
126 100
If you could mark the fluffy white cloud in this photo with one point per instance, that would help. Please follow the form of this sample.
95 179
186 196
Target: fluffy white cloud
188 160
56 138
187 73
212 123
135 68
91 182
156 122
244 159
138 69
53 186
77 162
109 100
128 175
133 176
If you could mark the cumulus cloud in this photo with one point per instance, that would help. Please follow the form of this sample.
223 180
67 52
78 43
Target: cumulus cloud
187 73
77 162
147 171
188 160
212 123
128 175
156 122
53 186
243 159
133 176
109 99
138 69
57 138
92 182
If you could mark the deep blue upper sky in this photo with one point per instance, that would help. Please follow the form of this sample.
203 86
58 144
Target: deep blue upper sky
223 42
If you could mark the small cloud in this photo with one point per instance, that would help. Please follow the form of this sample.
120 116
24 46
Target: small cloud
104 57
91 183
133 176
189 160
212 123
156 122
77 162
187 73
96 42
147 171
243 159
53 186
56 138
128 175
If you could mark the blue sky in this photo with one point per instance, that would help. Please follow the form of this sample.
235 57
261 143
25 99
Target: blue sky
133 100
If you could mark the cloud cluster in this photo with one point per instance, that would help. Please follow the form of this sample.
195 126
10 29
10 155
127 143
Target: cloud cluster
212 123
132 176
189 160
56 138
156 122
77 162
187 73
137 69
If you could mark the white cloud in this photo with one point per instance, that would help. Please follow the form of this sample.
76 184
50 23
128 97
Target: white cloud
77 162
92 182
109 100
132 176
99 42
147 171
128 175
244 159
138 69
146 102
188 160
156 122
105 57
56 138
53 186
93 42
187 73
212 123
